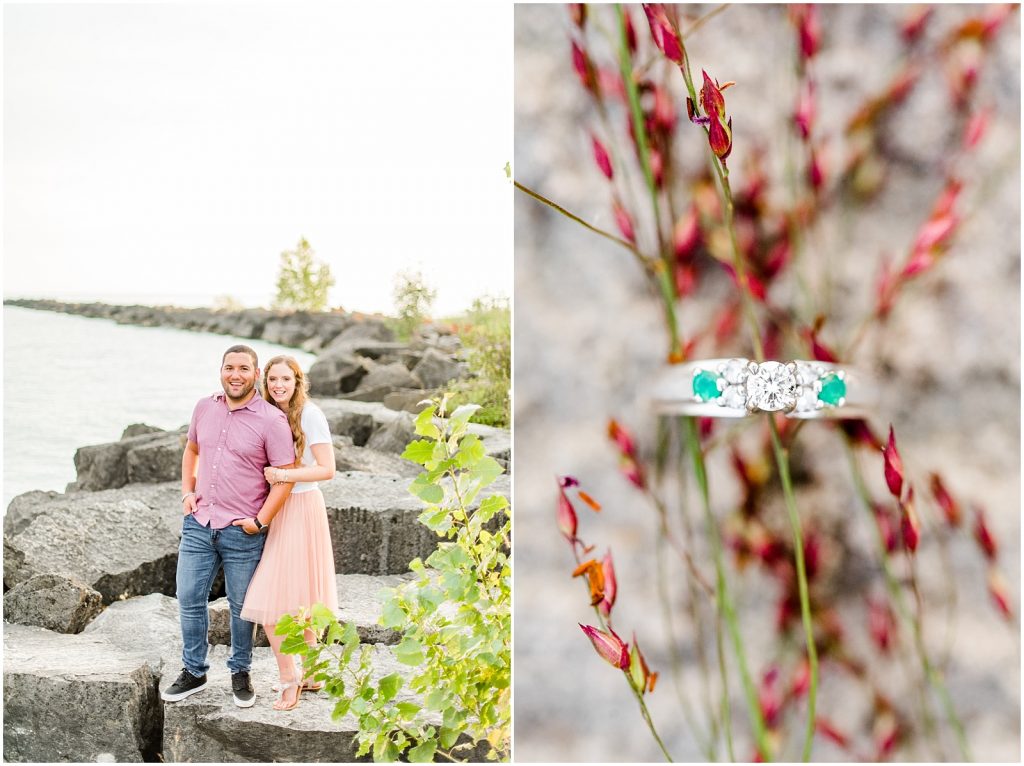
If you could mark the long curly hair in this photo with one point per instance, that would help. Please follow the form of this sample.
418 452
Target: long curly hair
295 404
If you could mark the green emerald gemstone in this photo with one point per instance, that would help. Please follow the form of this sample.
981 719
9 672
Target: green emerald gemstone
833 388
705 385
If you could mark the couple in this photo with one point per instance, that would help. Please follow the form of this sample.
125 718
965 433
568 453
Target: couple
242 483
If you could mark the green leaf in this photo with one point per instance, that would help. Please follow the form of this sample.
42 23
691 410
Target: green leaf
294 644
341 708
490 506
407 709
425 423
419 451
486 470
448 737
436 520
389 686
436 699
425 491
409 652
423 752
393 615
284 625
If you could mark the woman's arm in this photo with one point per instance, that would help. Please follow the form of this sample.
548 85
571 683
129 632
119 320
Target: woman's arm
322 471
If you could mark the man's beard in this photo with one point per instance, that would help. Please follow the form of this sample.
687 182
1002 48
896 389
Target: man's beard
246 390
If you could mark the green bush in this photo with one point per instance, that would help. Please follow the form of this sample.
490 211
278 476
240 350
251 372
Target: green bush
455 617
413 299
486 335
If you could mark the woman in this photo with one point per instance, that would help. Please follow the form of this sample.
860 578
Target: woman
297 568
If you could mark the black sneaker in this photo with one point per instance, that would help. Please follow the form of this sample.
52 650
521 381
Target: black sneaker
241 688
186 685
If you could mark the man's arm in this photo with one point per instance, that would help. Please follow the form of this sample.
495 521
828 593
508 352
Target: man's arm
189 462
274 503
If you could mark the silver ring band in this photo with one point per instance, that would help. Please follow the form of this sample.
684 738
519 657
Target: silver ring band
737 388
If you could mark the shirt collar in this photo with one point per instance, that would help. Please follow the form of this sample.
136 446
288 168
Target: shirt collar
252 404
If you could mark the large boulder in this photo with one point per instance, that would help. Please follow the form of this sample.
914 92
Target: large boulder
121 542
360 332
357 603
349 457
436 370
77 698
139 429
395 436
290 329
108 466
382 379
52 601
335 372
157 461
374 522
23 507
144 624
354 426
408 400
208 727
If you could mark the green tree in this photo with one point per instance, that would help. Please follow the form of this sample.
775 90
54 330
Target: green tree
413 299
302 281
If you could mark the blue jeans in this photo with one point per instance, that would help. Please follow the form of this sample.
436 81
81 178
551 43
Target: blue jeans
200 555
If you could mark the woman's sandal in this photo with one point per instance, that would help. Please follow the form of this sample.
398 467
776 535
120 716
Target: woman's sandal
283 688
308 685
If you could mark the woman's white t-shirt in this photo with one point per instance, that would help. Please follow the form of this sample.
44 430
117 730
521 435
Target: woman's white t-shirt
314 425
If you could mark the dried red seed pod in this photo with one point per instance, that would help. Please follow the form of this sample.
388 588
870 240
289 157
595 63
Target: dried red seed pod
893 466
664 33
624 222
910 525
983 535
601 158
950 508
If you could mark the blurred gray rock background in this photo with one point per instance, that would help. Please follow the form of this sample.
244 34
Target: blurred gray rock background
589 336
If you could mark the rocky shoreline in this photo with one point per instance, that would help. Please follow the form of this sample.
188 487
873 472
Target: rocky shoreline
358 356
91 628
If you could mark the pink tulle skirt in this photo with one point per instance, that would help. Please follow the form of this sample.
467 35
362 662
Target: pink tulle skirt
297 568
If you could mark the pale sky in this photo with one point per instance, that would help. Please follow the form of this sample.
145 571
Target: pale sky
169 152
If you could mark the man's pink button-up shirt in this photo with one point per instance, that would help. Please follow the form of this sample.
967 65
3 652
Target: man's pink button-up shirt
234 448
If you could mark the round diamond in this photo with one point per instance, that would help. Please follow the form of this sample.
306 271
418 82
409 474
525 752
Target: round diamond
806 374
833 389
735 371
734 396
773 387
705 385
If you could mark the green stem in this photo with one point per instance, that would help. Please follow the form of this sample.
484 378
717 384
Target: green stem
782 460
724 603
647 717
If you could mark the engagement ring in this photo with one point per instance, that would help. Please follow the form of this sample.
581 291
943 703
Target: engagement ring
736 388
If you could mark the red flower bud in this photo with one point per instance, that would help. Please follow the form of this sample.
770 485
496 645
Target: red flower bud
881 624
578 14
566 516
609 646
860 433
601 157
976 128
630 31
756 287
910 526
887 528
720 138
769 698
808 29
622 438
624 222
819 351
610 585
711 99
950 508
685 278
983 535
664 33
816 170
584 69
1000 593
686 234
915 22
805 109
893 466
827 728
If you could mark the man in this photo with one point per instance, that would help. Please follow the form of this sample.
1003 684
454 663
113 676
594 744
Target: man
227 503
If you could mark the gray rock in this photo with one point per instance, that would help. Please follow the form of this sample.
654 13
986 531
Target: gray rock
394 436
408 400
335 372
360 332
357 603
144 624
157 461
77 698
52 601
122 542
374 524
138 429
290 329
208 727
355 426
348 457
387 377
374 394
436 370
23 507
105 466
377 349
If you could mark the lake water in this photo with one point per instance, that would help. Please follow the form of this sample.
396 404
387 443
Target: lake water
71 381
